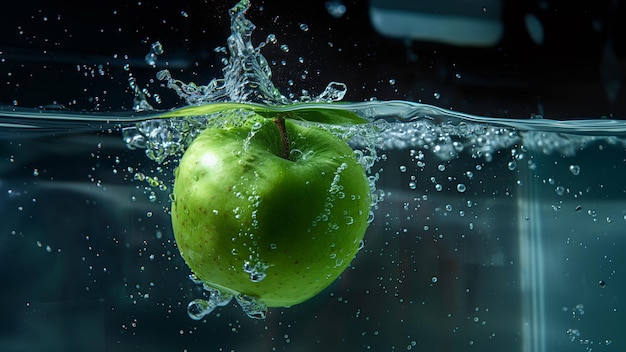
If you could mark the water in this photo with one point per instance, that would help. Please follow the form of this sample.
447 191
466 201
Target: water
489 234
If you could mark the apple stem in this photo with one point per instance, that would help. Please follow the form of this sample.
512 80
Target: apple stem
282 129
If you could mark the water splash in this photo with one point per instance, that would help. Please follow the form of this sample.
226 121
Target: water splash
199 308
247 74
253 307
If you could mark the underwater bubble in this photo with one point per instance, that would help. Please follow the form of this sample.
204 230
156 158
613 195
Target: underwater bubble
255 271
304 27
199 308
284 48
156 48
151 59
434 279
461 187
512 165
574 169
336 8
271 38
560 190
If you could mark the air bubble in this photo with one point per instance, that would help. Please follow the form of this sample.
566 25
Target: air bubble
252 306
256 272
151 59
199 308
461 187
574 169
157 48
335 8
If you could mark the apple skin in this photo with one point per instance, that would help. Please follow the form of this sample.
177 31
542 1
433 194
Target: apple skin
248 221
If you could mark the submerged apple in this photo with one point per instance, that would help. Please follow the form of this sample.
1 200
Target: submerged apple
269 208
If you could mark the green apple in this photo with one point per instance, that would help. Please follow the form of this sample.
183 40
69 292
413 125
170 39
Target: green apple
269 208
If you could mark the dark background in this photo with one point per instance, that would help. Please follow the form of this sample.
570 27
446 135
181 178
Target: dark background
72 53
